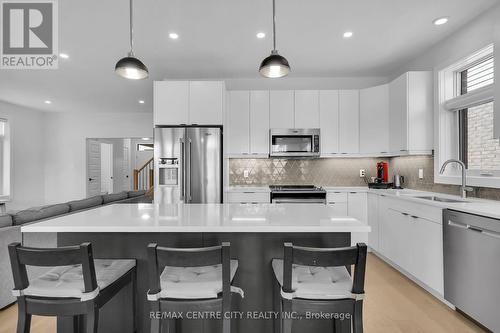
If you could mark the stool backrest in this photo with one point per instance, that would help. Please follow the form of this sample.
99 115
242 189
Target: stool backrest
21 256
324 257
159 257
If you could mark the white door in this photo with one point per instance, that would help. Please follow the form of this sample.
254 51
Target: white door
329 121
281 109
238 117
306 109
127 169
206 100
171 102
349 121
93 168
374 120
259 122
106 168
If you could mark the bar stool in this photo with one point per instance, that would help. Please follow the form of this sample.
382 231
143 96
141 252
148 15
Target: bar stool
316 280
191 279
77 286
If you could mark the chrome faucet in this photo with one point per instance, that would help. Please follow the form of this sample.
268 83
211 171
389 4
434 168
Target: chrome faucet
464 187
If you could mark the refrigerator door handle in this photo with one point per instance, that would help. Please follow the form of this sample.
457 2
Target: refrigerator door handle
182 172
189 198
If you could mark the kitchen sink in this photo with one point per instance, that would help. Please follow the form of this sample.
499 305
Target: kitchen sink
441 199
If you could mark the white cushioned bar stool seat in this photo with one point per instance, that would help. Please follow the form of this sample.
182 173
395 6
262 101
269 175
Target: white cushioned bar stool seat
312 282
194 282
67 281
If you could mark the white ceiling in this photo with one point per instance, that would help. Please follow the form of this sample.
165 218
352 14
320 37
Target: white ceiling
217 40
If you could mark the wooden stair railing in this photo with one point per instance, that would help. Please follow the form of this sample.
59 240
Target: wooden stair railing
143 177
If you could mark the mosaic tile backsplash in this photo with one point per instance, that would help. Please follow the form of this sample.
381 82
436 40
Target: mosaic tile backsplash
341 172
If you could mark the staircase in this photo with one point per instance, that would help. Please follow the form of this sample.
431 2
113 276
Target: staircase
143 177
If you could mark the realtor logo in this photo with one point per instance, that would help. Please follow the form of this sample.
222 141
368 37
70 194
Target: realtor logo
29 34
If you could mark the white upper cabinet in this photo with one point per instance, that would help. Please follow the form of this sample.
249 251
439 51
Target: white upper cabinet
259 122
281 109
349 121
188 102
237 127
329 121
206 102
306 109
411 114
171 102
374 120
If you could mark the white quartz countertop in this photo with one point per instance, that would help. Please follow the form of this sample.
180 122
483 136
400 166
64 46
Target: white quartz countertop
488 208
202 218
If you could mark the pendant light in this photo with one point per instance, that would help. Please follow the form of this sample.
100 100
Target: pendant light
274 66
130 67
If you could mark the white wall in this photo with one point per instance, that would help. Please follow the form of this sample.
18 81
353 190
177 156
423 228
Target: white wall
472 37
27 129
65 171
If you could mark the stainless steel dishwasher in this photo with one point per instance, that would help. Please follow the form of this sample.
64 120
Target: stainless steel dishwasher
472 266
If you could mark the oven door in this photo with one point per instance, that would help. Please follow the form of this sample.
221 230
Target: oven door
294 143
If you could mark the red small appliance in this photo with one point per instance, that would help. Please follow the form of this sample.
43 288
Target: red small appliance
382 172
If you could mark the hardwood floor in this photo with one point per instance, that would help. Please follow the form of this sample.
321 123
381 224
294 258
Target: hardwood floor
393 304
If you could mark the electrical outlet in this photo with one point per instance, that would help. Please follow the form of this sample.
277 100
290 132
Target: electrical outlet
362 173
245 173
420 173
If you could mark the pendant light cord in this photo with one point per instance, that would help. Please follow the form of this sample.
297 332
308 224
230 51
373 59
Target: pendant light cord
274 25
131 28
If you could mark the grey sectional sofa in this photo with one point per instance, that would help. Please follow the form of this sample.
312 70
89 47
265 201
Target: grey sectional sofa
10 231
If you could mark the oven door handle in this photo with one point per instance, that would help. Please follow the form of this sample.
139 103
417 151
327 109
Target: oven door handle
302 200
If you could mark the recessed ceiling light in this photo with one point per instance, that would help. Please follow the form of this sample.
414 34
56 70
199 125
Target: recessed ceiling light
48 102
173 35
63 55
348 34
440 21
261 35
145 139
141 101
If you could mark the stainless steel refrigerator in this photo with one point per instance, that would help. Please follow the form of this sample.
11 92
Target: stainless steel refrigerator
188 164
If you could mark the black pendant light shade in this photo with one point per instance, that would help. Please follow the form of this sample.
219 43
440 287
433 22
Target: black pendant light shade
274 66
130 67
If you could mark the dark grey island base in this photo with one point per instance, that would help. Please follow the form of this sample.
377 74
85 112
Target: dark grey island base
254 252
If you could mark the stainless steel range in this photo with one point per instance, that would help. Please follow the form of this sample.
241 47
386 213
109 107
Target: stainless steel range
297 194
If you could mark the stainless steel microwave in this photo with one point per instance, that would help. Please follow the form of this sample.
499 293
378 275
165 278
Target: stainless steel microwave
297 142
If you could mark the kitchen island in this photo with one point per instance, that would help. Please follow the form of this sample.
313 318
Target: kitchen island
256 232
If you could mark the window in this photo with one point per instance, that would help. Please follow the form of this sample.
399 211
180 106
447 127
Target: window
478 149
4 158
145 146
465 121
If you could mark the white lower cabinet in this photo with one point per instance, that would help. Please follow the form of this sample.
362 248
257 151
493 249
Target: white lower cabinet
373 221
427 260
337 201
248 197
357 208
411 236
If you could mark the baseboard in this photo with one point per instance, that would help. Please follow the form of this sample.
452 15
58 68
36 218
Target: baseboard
415 280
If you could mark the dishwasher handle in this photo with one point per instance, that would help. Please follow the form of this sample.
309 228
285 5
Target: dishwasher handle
485 232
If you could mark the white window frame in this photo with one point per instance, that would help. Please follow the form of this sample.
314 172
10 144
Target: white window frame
447 129
5 191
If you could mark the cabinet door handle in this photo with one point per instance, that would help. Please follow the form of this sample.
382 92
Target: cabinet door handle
414 217
405 214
